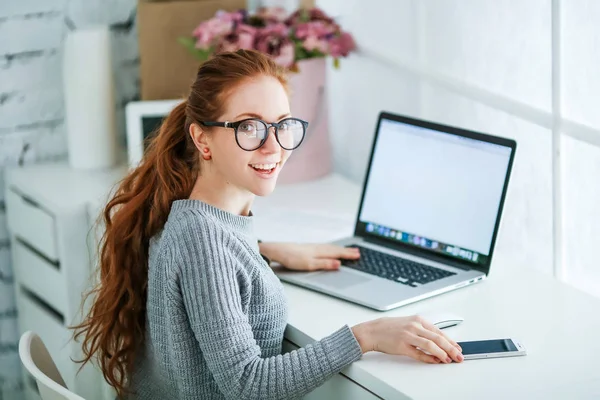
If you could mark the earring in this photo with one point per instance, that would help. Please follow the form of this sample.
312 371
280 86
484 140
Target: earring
206 156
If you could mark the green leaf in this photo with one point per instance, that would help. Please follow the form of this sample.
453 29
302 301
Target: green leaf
336 63
187 42
301 52
315 54
190 44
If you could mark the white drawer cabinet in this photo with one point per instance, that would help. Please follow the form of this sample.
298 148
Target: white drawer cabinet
31 222
49 229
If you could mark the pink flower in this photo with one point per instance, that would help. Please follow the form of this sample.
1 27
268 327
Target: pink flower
221 25
309 31
247 36
208 31
286 55
242 38
275 30
342 45
312 42
316 28
272 14
273 40
235 16
314 14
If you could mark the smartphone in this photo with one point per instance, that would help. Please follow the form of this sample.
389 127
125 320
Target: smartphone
492 348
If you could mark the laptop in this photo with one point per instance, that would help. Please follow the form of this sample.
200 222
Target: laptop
428 217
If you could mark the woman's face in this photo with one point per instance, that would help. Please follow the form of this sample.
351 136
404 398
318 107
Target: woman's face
255 171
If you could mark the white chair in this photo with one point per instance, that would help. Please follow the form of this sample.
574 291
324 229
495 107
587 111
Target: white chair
39 363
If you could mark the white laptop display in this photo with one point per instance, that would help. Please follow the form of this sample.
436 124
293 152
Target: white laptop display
143 118
428 218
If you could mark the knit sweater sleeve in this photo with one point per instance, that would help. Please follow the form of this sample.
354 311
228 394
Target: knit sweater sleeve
212 296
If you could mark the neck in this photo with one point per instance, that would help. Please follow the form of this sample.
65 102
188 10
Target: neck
218 192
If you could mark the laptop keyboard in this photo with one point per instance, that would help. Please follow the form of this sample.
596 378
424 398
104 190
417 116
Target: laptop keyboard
395 268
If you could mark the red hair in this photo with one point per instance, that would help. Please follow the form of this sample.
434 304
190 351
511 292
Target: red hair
114 328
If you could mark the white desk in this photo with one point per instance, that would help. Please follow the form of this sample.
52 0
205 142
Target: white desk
559 325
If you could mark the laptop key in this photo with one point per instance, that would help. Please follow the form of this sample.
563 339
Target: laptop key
395 268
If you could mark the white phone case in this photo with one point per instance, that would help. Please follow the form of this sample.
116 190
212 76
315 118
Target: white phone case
519 352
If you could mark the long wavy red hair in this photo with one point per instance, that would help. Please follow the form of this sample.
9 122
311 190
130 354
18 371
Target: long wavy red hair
114 328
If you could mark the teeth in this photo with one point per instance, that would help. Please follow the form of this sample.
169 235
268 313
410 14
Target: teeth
264 166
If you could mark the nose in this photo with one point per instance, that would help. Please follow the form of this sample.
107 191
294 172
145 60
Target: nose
271 146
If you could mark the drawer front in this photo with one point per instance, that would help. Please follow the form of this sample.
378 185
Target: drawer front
336 387
33 316
40 277
31 223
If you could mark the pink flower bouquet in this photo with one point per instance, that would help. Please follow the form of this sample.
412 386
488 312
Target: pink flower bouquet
305 34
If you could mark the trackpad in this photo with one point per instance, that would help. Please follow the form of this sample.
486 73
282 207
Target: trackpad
337 279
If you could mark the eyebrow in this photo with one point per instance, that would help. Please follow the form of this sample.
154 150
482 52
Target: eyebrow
253 115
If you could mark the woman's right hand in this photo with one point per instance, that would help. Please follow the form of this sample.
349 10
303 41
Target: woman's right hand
409 336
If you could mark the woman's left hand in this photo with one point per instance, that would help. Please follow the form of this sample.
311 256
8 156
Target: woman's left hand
308 257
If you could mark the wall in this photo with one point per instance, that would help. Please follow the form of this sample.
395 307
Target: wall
502 48
32 113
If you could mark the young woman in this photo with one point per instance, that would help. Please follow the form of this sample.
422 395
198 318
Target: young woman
187 308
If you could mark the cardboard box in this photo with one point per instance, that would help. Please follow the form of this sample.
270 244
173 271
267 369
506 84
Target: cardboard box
167 69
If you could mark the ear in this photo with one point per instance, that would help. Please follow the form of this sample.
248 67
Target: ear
200 139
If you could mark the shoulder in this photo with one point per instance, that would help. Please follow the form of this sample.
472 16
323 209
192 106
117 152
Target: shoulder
195 238
181 221
191 229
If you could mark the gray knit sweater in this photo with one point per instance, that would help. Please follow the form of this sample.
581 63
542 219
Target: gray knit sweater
216 313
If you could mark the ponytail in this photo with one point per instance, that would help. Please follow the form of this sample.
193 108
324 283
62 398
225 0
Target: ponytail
115 324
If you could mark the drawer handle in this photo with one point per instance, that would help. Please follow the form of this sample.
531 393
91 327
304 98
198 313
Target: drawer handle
24 197
35 251
42 304
30 201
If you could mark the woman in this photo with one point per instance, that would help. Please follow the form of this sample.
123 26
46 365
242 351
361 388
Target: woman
187 307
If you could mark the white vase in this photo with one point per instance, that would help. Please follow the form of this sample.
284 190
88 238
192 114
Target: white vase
89 99
313 159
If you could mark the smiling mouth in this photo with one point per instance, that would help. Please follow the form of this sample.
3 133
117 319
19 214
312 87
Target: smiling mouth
264 168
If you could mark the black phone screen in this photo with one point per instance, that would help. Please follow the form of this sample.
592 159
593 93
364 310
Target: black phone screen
487 346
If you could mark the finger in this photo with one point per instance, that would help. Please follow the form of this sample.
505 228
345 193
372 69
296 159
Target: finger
333 251
437 330
324 263
442 343
431 347
416 354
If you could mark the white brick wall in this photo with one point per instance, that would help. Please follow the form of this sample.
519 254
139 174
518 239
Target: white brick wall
18 8
32 111
31 32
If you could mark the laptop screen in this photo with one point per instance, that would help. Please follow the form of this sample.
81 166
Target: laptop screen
439 191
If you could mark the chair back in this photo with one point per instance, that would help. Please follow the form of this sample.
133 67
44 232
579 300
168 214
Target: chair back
37 360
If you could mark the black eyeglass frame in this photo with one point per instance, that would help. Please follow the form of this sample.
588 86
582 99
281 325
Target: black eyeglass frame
268 126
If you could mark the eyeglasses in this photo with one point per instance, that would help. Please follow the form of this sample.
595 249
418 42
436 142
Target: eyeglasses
252 133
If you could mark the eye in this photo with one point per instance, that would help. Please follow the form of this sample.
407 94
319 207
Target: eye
247 127
290 125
